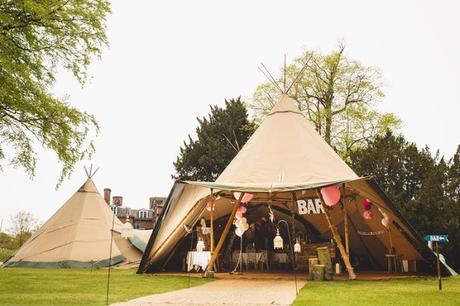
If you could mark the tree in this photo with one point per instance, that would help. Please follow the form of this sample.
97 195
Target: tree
6 241
399 166
23 225
36 37
219 138
424 188
452 223
339 96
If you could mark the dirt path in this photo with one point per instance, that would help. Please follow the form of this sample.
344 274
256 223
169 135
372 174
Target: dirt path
226 292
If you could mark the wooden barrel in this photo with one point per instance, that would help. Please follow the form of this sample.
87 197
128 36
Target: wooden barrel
318 272
312 261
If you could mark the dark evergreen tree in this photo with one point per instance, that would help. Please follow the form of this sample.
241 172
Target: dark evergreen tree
219 138
425 188
452 223
398 166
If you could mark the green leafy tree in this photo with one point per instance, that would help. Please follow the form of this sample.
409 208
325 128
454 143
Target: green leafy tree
36 37
424 188
338 95
6 241
219 138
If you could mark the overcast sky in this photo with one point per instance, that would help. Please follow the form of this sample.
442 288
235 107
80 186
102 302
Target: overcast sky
169 60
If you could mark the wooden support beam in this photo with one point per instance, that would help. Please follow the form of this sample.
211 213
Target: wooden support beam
345 220
391 241
212 221
338 240
292 209
224 235
345 229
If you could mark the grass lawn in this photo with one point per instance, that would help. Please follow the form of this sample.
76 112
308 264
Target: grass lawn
394 292
20 286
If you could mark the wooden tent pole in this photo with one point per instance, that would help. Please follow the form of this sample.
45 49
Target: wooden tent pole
338 240
212 221
391 240
294 201
345 225
223 236
345 220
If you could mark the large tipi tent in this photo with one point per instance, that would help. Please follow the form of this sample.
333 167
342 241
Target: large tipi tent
78 235
284 163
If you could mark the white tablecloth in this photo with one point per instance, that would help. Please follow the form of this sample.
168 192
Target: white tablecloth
250 257
198 260
280 258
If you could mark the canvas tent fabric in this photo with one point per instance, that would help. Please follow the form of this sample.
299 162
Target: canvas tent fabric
286 159
140 238
78 235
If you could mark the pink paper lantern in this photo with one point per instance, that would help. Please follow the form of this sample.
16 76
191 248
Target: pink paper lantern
367 214
367 204
238 215
242 209
247 197
331 195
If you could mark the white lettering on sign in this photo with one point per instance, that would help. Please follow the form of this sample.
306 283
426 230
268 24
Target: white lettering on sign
319 206
302 206
310 206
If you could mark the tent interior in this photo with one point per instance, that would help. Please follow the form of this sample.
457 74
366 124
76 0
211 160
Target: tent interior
368 241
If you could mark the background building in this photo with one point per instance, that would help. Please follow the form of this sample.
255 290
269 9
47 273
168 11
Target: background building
140 218
156 204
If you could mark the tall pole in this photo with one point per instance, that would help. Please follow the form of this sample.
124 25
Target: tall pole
345 225
391 240
292 252
110 260
345 220
338 240
438 266
223 236
294 261
212 221
191 249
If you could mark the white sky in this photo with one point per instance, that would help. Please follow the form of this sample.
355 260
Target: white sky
168 60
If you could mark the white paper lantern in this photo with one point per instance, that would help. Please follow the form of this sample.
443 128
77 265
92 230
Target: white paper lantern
297 248
278 241
239 232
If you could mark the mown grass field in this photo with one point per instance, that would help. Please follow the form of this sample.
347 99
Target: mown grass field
20 286
82 287
388 292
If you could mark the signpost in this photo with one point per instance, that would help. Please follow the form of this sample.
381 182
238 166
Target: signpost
437 239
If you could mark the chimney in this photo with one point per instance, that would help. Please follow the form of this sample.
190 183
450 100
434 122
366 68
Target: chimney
107 192
117 201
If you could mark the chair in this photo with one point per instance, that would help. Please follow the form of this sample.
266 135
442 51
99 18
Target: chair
392 263
262 260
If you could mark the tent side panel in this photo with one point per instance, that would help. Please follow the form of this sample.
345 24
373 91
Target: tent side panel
65 264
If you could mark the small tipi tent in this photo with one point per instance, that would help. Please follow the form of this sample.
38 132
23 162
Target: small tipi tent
78 235
284 164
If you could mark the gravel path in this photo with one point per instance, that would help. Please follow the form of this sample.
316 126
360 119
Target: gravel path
226 292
